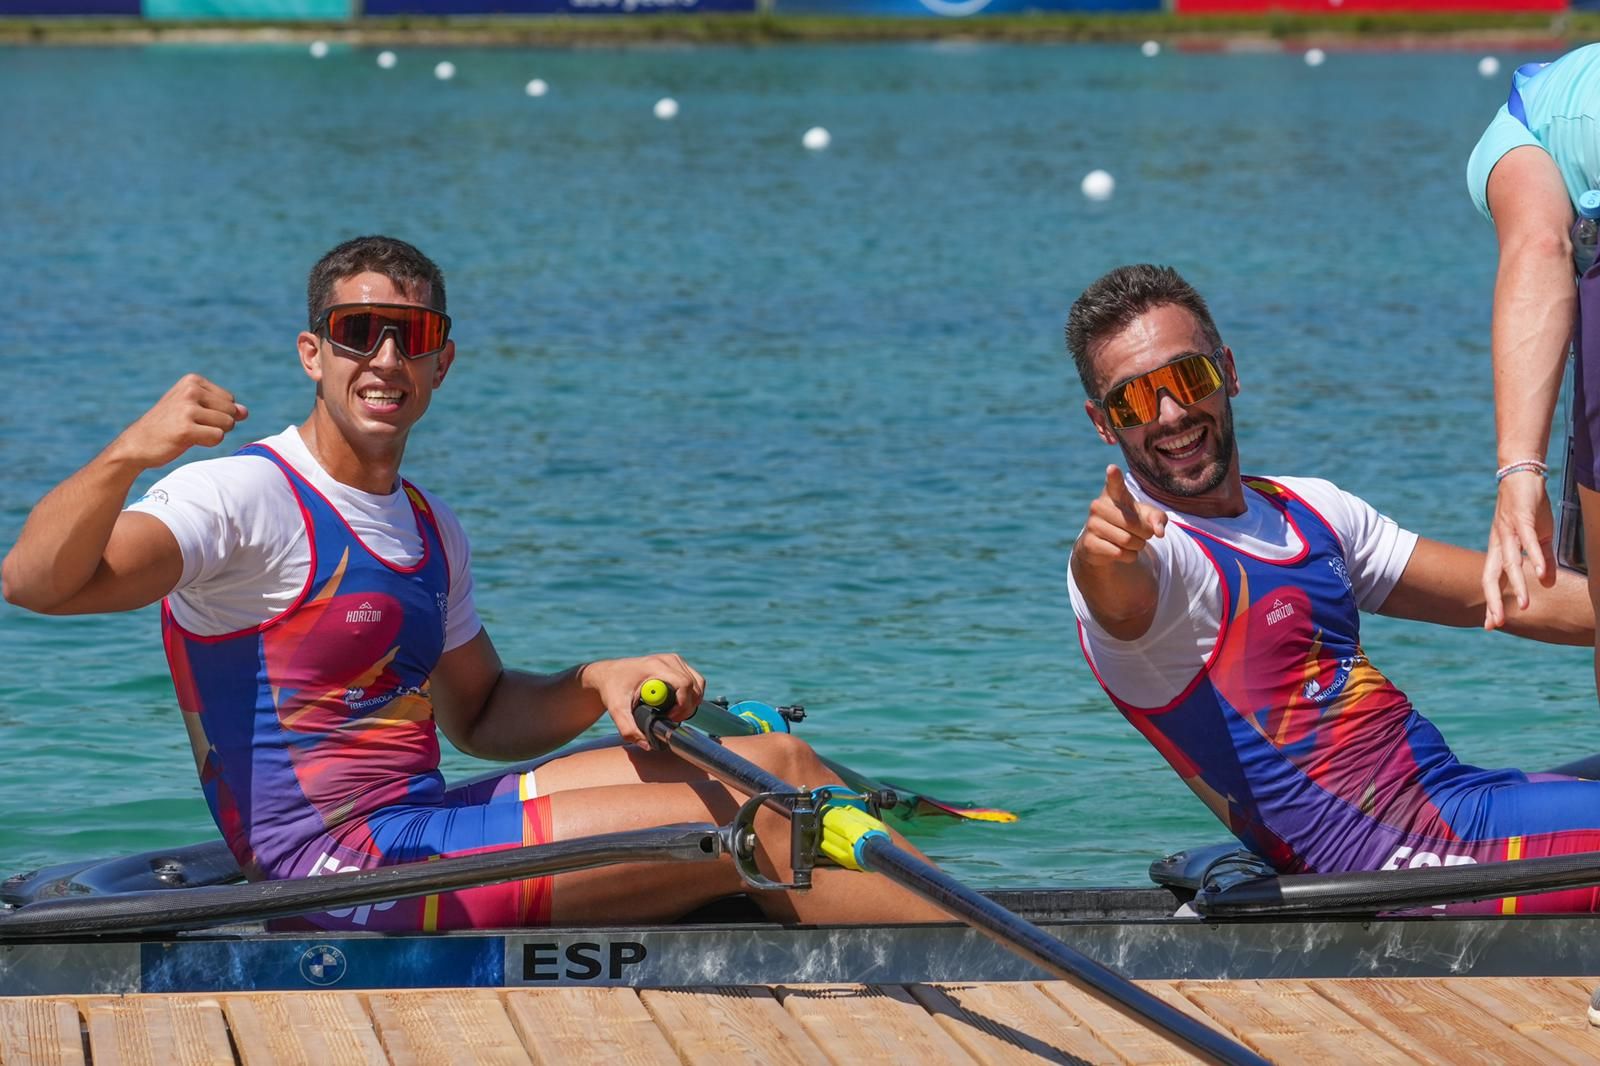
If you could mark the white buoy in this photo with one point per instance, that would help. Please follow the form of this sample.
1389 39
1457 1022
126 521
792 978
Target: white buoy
319 49
1315 57
1098 186
1488 67
816 138
387 60
666 109
536 87
1151 49
444 70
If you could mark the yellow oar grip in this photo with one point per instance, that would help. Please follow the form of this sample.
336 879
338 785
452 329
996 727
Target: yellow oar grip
845 831
655 693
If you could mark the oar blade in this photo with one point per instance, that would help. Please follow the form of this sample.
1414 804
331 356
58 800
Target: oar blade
926 806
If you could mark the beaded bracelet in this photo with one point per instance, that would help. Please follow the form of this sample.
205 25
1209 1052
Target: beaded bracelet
1536 466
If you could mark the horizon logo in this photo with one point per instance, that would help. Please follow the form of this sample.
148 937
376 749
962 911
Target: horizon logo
365 613
1279 612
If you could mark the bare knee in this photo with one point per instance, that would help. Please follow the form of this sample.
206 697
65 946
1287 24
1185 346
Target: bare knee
786 756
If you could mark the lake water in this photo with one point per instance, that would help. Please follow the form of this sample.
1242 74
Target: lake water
804 417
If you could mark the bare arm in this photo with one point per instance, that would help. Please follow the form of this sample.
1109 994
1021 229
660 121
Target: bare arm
1441 585
491 712
1535 304
78 552
1109 562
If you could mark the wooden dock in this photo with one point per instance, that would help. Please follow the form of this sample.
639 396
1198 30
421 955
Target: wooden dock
1452 1021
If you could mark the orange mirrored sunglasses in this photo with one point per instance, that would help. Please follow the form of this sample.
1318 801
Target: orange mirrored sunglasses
359 329
1187 379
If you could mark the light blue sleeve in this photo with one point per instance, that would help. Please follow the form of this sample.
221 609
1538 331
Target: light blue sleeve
1503 134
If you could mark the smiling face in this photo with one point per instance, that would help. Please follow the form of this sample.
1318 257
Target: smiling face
1184 457
366 406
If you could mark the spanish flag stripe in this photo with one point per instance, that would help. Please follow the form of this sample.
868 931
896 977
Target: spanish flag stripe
1513 853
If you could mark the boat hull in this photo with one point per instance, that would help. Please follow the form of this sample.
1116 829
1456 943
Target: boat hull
1136 945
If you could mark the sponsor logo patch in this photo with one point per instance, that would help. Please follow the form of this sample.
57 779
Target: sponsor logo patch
323 965
365 613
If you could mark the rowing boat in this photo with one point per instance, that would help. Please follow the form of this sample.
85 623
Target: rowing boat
1143 932
132 924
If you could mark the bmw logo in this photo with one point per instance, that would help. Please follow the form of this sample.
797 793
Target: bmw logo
323 964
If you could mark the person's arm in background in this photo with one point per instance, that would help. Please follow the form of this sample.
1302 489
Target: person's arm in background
1535 305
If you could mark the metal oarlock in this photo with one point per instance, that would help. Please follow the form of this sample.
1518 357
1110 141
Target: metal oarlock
739 839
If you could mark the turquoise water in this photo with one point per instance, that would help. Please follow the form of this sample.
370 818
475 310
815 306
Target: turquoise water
803 417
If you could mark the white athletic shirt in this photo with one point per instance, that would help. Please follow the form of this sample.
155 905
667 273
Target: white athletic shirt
246 553
1153 669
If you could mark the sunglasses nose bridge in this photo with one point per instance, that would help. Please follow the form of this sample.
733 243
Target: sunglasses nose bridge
388 344
1168 406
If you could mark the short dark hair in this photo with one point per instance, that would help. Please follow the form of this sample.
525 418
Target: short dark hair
396 260
1111 303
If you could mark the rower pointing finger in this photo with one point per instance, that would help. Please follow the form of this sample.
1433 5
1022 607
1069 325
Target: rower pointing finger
1140 519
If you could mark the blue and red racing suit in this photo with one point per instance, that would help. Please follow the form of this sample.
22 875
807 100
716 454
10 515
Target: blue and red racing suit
315 739
1317 762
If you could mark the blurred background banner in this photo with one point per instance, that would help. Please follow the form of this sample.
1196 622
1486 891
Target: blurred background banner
956 8
552 7
344 10
240 9
70 7
1369 7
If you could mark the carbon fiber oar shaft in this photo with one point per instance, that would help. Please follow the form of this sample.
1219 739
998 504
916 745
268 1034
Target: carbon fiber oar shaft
1021 936
200 908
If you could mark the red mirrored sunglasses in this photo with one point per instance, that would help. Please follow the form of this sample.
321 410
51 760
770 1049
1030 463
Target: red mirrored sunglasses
1188 379
359 329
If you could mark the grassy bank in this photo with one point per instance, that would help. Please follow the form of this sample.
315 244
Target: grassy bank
1397 30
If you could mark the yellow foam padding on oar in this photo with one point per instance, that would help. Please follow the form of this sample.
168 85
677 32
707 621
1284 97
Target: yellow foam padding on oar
654 693
844 830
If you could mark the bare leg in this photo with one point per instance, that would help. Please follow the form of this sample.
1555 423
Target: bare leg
638 789
781 754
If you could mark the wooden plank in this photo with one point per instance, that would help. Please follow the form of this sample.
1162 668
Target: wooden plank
730 1027
1012 1022
562 1026
35 1031
865 1023
1286 1021
445 1027
157 1030
1130 1039
1549 1012
1427 1020
302 1029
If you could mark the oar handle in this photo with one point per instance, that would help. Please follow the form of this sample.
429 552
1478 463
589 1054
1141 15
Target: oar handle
655 696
